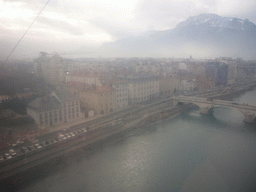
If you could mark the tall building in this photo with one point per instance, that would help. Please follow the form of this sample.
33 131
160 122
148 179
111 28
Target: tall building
51 69
217 71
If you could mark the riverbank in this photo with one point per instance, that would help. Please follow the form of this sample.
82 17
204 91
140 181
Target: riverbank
107 134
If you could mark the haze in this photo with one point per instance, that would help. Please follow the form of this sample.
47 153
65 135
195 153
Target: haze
66 26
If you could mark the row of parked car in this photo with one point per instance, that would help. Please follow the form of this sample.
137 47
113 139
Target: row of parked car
12 153
8 155
70 134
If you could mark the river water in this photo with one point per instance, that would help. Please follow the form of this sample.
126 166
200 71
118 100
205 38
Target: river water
187 153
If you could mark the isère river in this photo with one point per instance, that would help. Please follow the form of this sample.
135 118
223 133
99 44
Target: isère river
187 153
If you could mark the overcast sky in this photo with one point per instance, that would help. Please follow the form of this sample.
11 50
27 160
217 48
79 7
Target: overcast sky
68 24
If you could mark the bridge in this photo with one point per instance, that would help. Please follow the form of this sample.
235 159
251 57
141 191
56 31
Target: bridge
206 106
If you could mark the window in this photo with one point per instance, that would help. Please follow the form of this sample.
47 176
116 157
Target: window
41 118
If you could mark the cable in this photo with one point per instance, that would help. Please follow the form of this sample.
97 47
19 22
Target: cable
25 32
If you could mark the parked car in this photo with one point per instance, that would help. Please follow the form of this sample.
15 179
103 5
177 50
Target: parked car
30 148
42 143
12 152
72 134
1 158
84 130
7 156
24 150
37 146
62 137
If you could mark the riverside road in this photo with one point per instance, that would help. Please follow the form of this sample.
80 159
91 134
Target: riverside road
98 129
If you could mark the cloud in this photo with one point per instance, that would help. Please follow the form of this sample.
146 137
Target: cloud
86 21
61 25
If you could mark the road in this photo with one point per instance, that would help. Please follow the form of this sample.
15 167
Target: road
98 129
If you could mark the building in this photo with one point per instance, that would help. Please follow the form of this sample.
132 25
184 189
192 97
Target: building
217 71
56 108
141 87
169 85
121 91
51 69
102 99
90 78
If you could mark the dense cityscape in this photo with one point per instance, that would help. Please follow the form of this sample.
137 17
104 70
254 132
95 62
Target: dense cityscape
127 96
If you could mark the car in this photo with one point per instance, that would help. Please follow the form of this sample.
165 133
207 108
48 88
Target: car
48 142
31 148
66 128
68 136
61 137
72 134
84 130
37 146
12 152
79 131
7 156
1 158
24 150
76 132
42 143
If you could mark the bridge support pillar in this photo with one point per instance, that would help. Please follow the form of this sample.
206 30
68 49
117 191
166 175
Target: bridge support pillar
175 102
249 118
205 110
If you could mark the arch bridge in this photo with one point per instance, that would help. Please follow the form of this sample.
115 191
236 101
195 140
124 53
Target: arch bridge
206 106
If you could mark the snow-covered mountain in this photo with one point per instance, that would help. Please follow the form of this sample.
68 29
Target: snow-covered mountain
215 21
205 35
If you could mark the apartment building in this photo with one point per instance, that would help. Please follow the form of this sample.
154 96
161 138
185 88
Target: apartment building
51 69
141 87
101 99
169 85
55 108
121 91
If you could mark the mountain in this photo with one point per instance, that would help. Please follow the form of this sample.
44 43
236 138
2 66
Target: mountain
205 35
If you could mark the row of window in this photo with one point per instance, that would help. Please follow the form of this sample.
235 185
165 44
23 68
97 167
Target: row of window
57 106
146 88
121 100
55 120
120 95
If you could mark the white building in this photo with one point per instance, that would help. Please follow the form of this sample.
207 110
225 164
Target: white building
55 108
142 88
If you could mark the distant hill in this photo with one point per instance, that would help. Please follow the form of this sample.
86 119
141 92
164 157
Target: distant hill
205 35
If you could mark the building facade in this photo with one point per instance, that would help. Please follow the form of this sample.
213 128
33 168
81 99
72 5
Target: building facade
99 98
141 88
169 85
56 108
